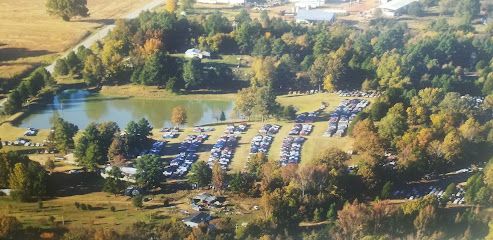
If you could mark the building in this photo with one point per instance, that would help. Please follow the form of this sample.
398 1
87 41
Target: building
128 173
314 16
230 2
196 53
394 8
195 220
205 198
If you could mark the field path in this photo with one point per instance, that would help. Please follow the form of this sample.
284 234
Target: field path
100 34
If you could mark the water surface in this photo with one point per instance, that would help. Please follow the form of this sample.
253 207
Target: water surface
82 107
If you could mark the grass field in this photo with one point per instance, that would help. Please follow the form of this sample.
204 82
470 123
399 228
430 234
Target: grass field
29 36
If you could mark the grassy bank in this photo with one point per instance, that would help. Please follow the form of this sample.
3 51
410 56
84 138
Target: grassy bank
141 91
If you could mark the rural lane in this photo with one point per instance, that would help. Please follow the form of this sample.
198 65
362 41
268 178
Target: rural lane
100 34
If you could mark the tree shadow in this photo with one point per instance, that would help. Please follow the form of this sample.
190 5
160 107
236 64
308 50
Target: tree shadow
12 53
103 21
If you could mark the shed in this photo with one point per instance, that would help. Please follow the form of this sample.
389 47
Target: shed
395 7
196 53
314 16
205 198
195 220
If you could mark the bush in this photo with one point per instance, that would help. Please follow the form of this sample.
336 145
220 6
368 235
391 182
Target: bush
137 201
83 206
77 205
112 208
89 207
166 202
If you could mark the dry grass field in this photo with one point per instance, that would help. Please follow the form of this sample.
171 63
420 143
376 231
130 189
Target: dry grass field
29 36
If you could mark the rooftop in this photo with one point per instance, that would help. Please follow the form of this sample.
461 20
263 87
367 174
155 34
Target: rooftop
314 15
395 5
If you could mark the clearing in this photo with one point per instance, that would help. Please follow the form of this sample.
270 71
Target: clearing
30 37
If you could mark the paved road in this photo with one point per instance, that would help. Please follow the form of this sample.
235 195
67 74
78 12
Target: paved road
100 34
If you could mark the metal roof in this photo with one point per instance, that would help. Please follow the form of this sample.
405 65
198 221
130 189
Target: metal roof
314 15
396 4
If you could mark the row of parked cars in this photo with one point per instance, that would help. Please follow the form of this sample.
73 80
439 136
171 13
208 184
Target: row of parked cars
358 93
182 163
223 150
22 142
269 129
236 129
170 132
307 117
457 197
291 150
301 129
343 115
261 144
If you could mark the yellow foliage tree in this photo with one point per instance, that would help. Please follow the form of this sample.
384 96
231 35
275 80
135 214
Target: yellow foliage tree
171 5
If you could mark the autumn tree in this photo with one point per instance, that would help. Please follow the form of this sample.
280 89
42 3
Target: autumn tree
67 9
425 221
218 177
353 221
171 5
19 182
178 116
366 138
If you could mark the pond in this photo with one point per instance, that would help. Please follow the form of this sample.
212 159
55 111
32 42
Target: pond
82 107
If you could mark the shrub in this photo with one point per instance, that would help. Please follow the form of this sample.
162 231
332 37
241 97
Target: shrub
137 201
83 206
112 208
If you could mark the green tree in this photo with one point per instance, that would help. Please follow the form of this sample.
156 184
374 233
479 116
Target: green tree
387 190
93 71
67 9
222 117
200 174
63 133
137 134
149 171
216 23
192 73
113 183
14 102
393 124
61 68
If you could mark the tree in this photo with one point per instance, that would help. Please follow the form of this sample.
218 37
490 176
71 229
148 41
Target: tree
171 5
67 9
179 116
149 171
137 134
118 151
92 147
113 183
18 182
9 227
192 73
393 124
200 174
353 220
50 165
218 177
222 117
263 70
216 23
93 71
186 4
366 139
14 102
425 221
386 190
61 68
63 133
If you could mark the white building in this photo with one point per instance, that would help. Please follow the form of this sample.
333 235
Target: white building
230 2
128 173
314 16
394 8
196 53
